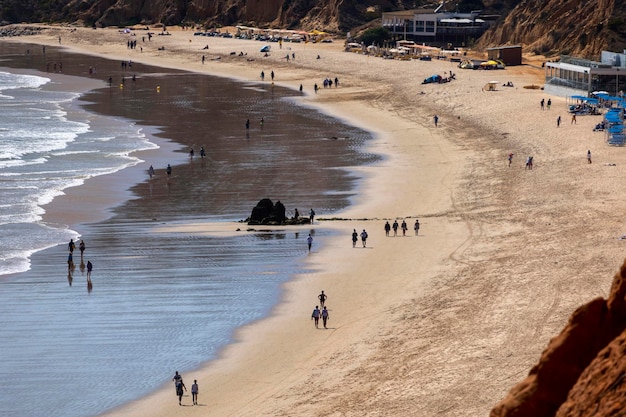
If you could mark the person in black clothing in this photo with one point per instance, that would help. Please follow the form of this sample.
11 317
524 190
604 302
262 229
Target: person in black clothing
322 297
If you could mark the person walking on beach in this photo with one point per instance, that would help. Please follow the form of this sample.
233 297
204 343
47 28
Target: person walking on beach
71 246
309 241
316 316
194 392
543 102
311 215
549 103
70 260
325 316
202 152
151 171
558 121
387 228
355 237
169 170
529 163
322 297
247 124
403 226
395 228
436 120
589 156
262 75
177 377
510 158
89 269
364 237
191 153
416 227
81 246
272 75
180 385
573 119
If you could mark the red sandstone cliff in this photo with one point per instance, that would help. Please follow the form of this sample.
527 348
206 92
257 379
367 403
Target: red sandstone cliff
571 27
582 372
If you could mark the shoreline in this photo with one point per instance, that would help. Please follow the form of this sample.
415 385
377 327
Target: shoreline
467 307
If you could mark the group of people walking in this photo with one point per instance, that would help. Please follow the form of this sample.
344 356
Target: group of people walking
355 237
71 246
179 386
395 226
323 313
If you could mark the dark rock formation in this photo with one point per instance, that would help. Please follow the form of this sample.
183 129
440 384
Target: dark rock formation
573 375
268 213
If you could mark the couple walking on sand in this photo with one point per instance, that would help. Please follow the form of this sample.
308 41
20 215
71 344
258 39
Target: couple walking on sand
317 314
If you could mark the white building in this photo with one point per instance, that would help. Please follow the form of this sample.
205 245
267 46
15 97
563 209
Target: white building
433 26
571 76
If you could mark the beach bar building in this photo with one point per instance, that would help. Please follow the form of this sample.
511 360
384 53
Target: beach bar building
574 76
435 26
510 55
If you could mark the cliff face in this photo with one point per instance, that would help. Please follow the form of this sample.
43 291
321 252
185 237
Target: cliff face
574 27
582 372
329 15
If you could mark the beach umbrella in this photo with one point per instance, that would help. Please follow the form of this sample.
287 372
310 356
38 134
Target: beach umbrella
266 48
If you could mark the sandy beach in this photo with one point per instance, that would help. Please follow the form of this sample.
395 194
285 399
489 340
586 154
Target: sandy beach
440 324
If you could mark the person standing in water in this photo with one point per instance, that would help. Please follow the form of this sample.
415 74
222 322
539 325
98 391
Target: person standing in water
309 241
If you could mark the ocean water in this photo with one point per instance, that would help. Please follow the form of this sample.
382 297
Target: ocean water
42 153
158 303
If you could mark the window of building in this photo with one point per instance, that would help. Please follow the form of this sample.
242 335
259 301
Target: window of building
430 27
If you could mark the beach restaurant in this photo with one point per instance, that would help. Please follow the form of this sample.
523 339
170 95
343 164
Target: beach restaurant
575 76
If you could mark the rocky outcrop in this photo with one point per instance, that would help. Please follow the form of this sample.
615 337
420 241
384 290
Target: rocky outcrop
582 369
328 15
268 213
571 27
601 389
